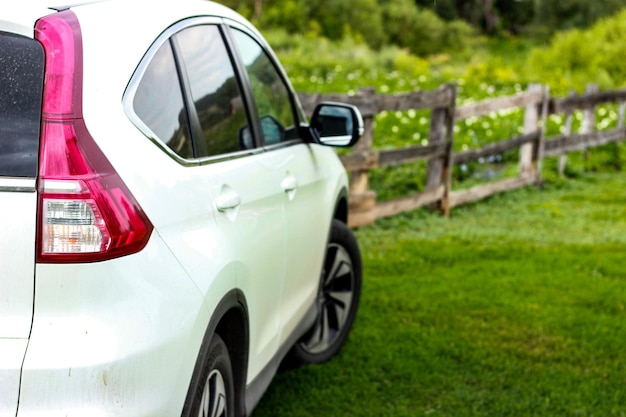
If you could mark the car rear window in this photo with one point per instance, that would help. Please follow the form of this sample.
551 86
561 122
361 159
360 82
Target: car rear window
21 84
159 102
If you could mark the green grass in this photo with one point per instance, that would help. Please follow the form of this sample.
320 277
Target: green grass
514 306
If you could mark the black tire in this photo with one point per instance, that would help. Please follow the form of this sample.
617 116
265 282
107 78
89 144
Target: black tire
338 299
215 394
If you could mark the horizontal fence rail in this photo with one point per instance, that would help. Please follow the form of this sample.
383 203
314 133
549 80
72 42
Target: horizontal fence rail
439 154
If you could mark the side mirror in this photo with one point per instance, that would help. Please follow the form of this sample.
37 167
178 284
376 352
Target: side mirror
273 133
337 124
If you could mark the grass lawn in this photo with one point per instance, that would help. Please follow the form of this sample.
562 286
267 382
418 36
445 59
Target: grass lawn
514 306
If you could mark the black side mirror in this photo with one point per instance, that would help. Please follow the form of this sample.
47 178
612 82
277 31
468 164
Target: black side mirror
337 124
273 133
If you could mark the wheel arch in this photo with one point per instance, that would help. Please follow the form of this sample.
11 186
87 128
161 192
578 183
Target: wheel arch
341 206
230 321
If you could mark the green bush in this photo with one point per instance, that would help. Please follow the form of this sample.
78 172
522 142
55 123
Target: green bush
318 64
576 57
422 31
356 18
292 16
459 36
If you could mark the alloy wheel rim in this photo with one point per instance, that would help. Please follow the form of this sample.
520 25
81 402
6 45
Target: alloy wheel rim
213 403
335 299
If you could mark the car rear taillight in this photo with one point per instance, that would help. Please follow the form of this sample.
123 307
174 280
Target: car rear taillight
86 212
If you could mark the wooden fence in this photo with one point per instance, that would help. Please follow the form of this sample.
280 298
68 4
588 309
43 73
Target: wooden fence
533 145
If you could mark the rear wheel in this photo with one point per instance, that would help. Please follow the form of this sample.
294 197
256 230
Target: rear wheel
215 395
338 298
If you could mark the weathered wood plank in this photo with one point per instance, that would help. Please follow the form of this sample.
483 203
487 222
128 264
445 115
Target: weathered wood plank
360 161
480 192
579 102
569 117
494 148
448 163
393 157
418 100
399 205
361 219
361 209
368 105
559 144
528 151
483 108
437 135
363 201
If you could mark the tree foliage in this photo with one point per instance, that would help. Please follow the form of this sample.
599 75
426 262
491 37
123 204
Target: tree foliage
377 22
574 13
540 16
428 27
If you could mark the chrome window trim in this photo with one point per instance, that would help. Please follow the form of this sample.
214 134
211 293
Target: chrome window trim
18 185
131 90
254 34
285 144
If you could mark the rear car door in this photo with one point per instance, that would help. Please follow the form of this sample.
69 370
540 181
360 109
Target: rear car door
21 81
247 195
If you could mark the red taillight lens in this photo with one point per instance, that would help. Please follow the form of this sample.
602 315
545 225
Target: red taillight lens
86 212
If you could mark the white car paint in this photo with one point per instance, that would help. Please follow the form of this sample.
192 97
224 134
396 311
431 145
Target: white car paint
120 337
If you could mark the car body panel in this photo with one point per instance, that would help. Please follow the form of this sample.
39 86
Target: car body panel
11 361
257 242
121 337
17 211
21 63
17 274
94 348
21 20
308 213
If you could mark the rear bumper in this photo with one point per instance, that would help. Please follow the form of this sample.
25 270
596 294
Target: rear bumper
11 360
112 338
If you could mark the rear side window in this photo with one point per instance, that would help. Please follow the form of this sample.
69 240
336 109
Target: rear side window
21 86
190 98
159 103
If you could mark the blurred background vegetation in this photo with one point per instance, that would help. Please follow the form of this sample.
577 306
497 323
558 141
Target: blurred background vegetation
487 46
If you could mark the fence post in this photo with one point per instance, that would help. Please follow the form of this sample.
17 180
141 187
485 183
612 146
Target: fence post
441 129
448 161
621 109
528 152
620 114
569 117
540 144
437 134
589 120
362 199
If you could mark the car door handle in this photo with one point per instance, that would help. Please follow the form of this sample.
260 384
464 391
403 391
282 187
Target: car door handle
289 183
228 200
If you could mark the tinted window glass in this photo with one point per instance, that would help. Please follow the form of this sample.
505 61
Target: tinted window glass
270 92
159 103
214 89
21 84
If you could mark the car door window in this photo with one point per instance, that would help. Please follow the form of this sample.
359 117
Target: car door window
215 91
159 104
270 91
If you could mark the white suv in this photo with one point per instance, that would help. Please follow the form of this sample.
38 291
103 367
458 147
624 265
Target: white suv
172 228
